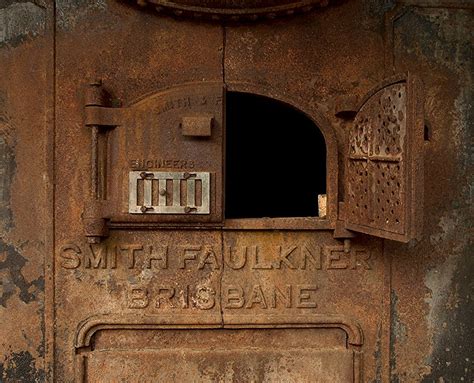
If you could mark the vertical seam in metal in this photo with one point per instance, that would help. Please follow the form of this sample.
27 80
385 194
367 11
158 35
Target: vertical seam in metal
48 315
224 37
389 351
223 171
53 197
389 37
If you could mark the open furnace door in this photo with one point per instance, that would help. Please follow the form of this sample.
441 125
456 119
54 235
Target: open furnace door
384 166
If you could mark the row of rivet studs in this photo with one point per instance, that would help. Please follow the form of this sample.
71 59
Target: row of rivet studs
251 17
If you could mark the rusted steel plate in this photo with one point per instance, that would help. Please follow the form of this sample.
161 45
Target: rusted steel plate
134 287
289 278
136 280
26 121
99 282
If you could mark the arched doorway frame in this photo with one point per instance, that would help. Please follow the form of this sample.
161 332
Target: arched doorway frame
332 168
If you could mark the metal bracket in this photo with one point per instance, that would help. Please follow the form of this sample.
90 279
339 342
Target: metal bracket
340 232
197 126
346 107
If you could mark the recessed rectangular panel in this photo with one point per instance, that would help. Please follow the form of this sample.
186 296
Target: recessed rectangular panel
221 355
191 366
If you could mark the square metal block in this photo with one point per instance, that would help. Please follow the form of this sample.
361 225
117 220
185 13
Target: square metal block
197 126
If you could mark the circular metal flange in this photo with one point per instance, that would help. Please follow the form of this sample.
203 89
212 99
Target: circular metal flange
233 10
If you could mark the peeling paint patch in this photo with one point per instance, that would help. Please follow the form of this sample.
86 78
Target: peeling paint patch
398 333
378 8
7 172
378 356
451 314
447 225
20 367
439 281
399 330
452 358
20 20
12 279
70 11
441 38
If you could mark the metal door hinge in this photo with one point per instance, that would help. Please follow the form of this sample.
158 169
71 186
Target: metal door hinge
98 118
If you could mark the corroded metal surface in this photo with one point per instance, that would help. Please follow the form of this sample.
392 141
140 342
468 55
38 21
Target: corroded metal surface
202 298
174 284
385 168
26 102
229 355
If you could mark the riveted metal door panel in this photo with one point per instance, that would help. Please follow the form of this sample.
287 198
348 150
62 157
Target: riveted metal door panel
384 169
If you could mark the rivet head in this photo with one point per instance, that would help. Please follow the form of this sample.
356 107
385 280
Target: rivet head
145 175
162 191
96 82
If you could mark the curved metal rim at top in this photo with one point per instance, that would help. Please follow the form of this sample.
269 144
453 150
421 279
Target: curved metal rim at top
90 326
233 14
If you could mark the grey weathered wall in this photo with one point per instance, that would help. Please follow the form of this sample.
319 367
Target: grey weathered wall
432 319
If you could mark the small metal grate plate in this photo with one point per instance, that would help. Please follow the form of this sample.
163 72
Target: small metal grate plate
169 192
